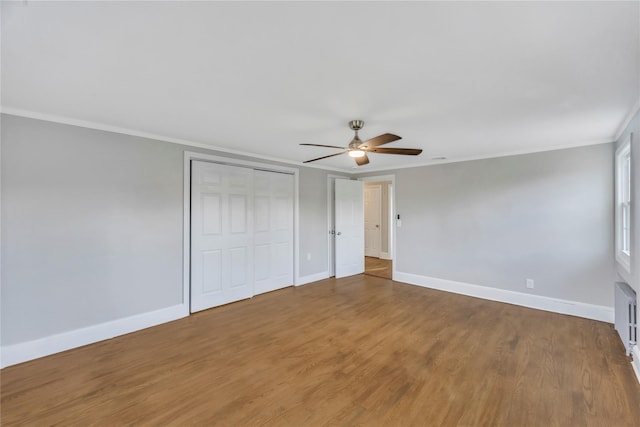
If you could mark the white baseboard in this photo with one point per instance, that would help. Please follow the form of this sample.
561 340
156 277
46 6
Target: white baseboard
635 363
556 305
303 280
385 255
22 352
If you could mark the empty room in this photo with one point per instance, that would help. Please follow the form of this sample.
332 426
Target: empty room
303 213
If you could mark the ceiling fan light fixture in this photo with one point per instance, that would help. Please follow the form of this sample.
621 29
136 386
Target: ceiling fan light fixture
356 153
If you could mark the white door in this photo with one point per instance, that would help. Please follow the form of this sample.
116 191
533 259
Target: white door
349 222
221 234
273 231
372 220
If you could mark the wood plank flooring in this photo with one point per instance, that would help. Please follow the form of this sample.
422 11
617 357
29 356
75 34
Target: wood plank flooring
354 351
377 267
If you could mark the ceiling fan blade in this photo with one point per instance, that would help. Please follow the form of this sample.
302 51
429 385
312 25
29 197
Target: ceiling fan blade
405 151
362 160
385 138
328 146
324 157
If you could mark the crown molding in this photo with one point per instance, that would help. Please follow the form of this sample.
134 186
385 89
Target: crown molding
493 156
625 123
142 134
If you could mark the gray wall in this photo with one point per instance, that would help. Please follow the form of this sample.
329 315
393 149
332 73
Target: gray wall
313 221
545 216
92 226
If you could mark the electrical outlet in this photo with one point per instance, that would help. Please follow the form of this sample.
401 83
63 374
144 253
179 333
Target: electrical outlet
308 256
530 284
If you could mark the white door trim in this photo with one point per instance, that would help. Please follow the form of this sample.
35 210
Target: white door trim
186 218
391 224
392 216
367 211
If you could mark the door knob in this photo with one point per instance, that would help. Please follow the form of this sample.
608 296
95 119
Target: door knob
339 233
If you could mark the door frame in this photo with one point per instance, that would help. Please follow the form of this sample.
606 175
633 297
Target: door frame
331 216
186 218
392 222
392 215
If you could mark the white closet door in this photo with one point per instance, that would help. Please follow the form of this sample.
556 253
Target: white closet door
221 234
273 231
349 212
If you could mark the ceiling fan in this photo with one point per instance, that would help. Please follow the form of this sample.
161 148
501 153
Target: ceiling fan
358 149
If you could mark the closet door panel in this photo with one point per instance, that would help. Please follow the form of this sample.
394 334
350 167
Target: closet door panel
221 234
273 225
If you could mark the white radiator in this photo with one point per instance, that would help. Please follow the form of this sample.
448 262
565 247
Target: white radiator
625 313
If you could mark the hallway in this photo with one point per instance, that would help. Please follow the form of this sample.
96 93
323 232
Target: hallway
377 267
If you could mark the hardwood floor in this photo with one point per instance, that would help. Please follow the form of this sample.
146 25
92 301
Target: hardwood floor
377 267
354 351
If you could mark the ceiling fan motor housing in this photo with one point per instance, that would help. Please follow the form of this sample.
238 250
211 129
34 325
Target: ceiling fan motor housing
356 124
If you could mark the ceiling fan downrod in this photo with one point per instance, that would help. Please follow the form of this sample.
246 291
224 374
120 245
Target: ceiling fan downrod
355 125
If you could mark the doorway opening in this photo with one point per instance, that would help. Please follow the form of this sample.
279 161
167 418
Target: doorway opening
378 249
377 219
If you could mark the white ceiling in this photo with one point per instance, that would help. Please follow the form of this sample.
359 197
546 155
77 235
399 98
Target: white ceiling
457 79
